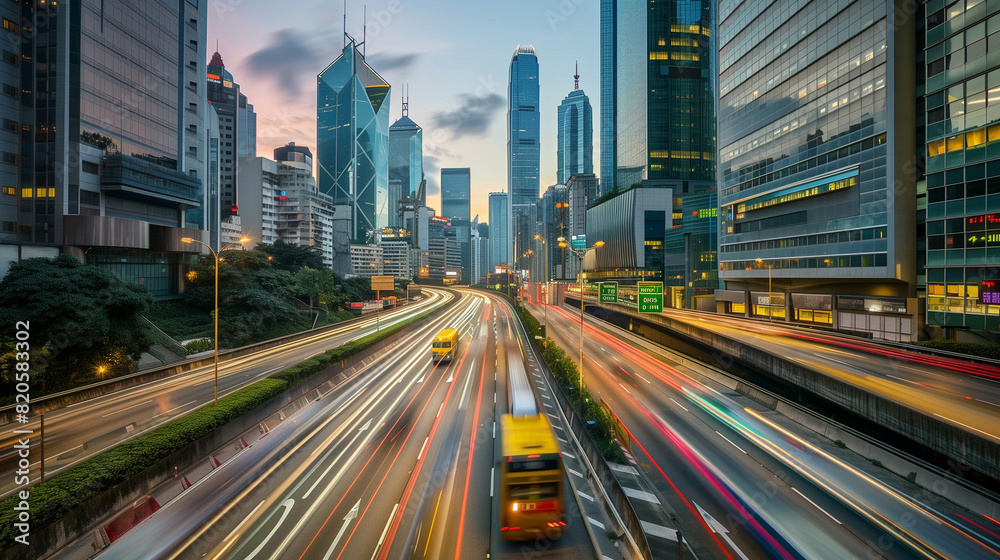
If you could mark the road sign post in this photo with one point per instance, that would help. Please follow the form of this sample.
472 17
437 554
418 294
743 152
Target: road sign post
650 297
609 292
380 283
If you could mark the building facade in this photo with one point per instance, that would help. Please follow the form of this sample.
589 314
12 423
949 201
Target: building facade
499 230
261 192
96 162
523 137
961 110
609 106
456 185
817 179
305 215
352 137
367 260
575 135
406 168
633 225
238 130
581 192
396 258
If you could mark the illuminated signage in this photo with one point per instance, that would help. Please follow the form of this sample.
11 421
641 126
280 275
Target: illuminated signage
989 292
706 213
215 79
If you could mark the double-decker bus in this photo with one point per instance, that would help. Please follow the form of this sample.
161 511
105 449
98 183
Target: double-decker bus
532 500
445 345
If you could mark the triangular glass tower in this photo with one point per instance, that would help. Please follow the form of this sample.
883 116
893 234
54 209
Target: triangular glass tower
352 140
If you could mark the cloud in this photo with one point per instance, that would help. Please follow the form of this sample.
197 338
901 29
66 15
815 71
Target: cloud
432 170
287 61
471 116
387 62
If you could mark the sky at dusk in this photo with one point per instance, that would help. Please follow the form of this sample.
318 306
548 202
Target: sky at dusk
454 56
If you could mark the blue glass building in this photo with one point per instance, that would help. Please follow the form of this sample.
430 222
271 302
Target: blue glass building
406 167
575 135
523 135
499 232
352 140
609 136
455 205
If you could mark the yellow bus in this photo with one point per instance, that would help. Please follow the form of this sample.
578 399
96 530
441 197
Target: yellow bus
445 345
532 501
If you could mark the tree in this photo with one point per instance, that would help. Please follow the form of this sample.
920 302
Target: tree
317 285
292 257
89 319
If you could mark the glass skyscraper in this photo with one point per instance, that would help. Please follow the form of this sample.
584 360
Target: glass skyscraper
523 135
817 176
961 108
352 140
609 137
238 129
575 135
499 232
455 205
406 168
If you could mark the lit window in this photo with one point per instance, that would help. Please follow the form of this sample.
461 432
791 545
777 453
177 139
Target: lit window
935 148
956 143
975 137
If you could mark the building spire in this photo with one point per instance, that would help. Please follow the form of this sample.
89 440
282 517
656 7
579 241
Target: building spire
406 100
576 76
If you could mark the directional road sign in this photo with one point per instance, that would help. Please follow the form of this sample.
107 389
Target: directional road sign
609 292
650 297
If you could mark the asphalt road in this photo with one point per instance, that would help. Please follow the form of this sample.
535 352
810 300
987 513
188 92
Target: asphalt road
402 464
775 494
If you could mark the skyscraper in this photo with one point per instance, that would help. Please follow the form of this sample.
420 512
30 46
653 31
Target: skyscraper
406 168
523 137
352 137
961 109
238 130
106 158
575 131
499 232
817 185
609 137
455 205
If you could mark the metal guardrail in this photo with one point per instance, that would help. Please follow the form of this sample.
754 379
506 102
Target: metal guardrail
165 340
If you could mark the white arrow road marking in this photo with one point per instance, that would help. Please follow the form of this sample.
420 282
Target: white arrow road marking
421 380
351 516
450 378
287 505
720 530
367 424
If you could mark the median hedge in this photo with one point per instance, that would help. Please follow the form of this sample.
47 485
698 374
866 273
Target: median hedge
979 349
59 495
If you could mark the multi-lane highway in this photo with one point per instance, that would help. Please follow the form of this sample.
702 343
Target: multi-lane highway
960 393
84 429
776 494
403 463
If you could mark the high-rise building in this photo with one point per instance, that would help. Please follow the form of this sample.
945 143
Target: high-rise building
406 168
632 224
817 181
523 139
261 192
97 163
352 137
395 258
305 215
581 191
609 137
210 208
455 205
575 132
554 204
961 109
238 132
499 232
480 251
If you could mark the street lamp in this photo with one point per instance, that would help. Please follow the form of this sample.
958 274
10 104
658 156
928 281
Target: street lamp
545 297
580 253
215 255
760 262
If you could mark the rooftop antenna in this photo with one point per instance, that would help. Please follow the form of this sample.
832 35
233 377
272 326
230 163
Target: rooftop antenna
576 76
216 45
345 24
364 31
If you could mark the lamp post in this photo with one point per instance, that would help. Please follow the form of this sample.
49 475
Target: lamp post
580 253
215 255
545 298
760 262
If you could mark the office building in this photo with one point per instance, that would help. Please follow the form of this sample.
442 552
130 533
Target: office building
690 275
575 134
554 205
443 254
455 205
260 191
305 215
406 168
499 230
210 210
480 249
238 130
632 224
352 142
961 109
96 163
817 182
395 258
581 192
608 132
523 139
367 260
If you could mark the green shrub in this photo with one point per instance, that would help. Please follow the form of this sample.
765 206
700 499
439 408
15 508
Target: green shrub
196 346
978 349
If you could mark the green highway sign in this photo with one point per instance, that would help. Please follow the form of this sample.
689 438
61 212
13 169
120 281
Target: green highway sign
650 297
609 292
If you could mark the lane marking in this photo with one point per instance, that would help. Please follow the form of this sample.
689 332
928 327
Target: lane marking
640 495
622 468
574 472
584 495
967 426
175 408
439 410
680 405
126 408
568 454
816 506
433 519
491 480
386 530
287 507
422 448
730 442
643 378
658 530
245 519
595 522
494 429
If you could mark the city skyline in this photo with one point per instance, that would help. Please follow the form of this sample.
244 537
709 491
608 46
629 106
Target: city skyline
456 86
